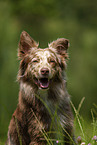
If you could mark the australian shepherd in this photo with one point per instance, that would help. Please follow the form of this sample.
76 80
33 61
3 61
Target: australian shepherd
43 114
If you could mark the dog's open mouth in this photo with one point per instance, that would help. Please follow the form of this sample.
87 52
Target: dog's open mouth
42 83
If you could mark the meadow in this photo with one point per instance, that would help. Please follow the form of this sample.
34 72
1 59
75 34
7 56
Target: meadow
45 21
85 130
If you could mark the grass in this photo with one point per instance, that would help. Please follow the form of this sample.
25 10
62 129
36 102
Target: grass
85 131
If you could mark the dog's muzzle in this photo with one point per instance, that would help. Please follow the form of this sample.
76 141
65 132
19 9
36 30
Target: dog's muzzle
44 81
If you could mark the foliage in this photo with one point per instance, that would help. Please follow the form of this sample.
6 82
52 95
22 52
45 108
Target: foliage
86 133
45 21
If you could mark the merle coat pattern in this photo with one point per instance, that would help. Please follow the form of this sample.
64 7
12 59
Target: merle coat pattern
43 110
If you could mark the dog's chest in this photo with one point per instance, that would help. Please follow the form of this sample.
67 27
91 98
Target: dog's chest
49 105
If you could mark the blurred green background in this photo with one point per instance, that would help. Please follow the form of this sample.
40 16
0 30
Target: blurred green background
45 21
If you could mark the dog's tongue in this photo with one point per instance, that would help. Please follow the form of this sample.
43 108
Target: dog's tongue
44 83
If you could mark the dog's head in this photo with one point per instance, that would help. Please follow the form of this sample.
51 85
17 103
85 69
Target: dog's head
41 66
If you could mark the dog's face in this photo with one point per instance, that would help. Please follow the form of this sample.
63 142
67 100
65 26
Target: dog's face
41 66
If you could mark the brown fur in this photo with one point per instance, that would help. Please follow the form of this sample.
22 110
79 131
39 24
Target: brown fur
44 104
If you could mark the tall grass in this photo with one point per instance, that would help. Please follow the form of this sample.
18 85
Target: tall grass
85 131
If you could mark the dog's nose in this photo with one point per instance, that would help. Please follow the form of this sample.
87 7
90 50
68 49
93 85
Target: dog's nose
44 71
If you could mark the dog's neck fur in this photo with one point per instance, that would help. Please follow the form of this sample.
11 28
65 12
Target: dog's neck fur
51 96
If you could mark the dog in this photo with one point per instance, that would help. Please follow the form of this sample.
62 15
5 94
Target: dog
43 114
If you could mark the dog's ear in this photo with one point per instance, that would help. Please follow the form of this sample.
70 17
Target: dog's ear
25 44
61 45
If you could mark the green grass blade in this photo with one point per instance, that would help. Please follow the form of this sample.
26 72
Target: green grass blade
76 112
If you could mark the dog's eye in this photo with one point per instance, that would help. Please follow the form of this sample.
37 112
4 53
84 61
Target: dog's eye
35 60
52 61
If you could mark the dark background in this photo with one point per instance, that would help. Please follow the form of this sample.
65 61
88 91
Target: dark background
45 21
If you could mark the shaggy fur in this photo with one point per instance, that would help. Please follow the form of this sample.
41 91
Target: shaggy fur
44 109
